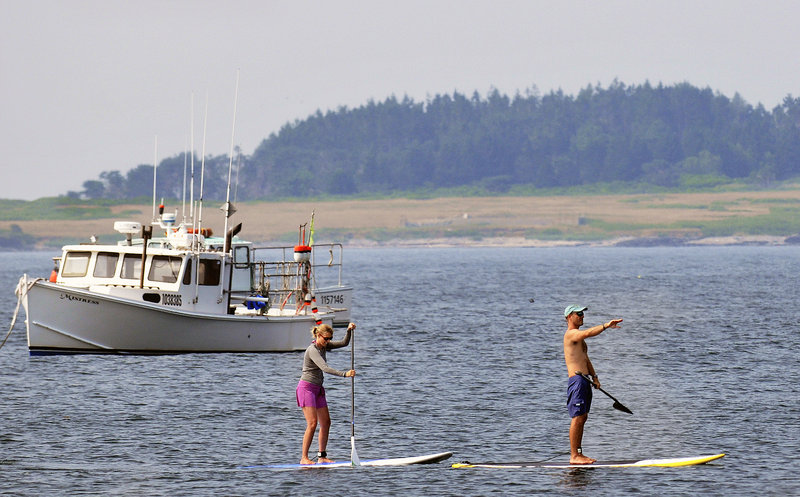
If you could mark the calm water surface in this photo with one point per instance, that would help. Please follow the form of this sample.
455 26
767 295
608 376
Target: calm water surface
452 356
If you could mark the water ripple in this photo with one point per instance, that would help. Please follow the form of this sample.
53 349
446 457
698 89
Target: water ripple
452 355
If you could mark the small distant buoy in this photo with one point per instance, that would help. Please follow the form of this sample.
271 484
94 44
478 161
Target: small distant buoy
640 276
206 232
530 300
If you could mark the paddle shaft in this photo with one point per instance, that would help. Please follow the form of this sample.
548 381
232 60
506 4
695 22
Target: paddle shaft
617 404
353 384
354 460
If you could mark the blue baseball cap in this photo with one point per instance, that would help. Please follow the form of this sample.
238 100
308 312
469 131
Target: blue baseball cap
574 308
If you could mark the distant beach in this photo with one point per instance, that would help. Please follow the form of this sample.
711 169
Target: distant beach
769 217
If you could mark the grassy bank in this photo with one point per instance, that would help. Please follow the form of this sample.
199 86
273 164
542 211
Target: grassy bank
577 218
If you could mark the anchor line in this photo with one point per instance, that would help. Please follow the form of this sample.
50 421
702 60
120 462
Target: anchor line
22 289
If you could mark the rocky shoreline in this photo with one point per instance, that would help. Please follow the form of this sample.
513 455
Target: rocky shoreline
751 240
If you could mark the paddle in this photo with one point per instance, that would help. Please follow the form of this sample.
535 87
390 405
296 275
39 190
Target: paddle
354 461
617 404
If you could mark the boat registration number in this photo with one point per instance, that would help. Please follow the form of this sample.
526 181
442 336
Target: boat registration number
172 299
330 299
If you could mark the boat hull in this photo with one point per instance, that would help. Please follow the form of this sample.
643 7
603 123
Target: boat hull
70 320
338 300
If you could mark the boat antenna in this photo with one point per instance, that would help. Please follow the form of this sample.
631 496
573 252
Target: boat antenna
202 170
183 201
238 168
155 169
199 230
229 210
191 183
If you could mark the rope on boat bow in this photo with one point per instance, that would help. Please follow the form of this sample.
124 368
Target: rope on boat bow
22 289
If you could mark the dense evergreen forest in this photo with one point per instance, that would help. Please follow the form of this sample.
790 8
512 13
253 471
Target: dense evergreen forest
676 136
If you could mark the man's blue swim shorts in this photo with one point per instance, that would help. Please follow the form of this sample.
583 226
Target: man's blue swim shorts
579 395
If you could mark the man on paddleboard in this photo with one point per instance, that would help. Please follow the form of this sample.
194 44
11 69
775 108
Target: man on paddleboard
579 390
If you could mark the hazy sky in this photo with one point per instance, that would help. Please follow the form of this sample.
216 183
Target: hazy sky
87 85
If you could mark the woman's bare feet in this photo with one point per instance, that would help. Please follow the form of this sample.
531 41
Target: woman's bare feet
305 460
324 459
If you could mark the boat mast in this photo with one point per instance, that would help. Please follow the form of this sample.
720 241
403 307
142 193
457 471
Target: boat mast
199 231
229 210
202 171
183 201
155 168
191 183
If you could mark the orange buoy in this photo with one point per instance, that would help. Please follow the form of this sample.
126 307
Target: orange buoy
302 253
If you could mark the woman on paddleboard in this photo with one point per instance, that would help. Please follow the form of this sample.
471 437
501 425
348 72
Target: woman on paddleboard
311 394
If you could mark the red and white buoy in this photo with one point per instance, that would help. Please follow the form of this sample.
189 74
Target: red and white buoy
302 252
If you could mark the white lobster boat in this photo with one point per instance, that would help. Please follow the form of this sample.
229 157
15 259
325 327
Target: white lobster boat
180 293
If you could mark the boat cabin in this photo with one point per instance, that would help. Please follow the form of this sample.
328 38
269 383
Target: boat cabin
175 278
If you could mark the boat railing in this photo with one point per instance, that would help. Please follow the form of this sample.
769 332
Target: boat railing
326 260
275 275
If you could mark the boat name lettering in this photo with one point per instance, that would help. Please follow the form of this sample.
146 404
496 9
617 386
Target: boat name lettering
172 299
73 298
332 299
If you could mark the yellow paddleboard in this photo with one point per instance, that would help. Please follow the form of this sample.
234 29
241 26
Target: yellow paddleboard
644 463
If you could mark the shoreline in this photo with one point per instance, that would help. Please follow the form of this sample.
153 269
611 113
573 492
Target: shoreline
520 242
628 220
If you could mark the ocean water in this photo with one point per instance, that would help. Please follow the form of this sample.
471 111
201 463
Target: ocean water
456 350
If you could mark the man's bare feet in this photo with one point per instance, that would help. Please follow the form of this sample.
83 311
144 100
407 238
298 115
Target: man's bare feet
324 459
581 459
305 460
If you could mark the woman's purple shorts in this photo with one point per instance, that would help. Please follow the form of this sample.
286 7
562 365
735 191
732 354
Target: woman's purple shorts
310 395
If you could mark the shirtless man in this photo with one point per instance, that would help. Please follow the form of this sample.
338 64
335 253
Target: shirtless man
579 390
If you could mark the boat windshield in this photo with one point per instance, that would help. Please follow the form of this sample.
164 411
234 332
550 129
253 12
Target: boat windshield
131 267
106 265
76 264
165 269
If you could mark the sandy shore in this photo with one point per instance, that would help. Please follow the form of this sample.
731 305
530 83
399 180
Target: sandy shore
472 221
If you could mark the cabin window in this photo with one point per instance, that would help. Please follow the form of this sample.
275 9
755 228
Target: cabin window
131 267
207 269
164 269
106 265
208 272
241 257
76 264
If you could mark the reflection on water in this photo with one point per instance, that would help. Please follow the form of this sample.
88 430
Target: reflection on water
576 478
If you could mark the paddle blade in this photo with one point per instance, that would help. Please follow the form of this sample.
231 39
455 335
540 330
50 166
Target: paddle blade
622 408
354 461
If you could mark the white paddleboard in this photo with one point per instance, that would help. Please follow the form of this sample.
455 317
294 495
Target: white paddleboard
399 461
644 463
